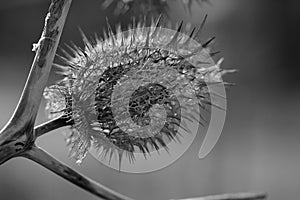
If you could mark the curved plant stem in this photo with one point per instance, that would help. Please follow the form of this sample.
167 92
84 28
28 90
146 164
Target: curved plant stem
236 196
41 157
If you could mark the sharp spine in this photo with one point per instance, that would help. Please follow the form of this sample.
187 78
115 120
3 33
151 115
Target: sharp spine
174 39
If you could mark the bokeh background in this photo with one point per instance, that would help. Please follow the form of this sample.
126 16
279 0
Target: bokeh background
259 147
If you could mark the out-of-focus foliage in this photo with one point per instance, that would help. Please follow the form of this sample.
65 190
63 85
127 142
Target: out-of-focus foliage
147 6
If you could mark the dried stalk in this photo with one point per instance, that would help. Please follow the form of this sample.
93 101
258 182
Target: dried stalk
51 125
237 196
18 137
41 157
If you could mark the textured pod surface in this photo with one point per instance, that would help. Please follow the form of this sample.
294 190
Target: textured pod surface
135 96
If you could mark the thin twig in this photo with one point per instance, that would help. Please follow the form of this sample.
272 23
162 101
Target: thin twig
52 125
43 158
235 196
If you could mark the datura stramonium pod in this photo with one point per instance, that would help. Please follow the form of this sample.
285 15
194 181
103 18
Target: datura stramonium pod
136 93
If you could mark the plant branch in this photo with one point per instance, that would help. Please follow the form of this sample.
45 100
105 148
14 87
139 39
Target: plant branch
52 125
45 51
235 196
64 121
18 134
41 157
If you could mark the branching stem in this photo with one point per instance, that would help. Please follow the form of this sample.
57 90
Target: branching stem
18 135
41 157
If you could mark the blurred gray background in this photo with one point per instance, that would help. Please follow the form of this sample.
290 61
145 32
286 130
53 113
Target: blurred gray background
259 146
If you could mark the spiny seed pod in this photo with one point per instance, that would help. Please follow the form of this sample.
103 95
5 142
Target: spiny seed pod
136 93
